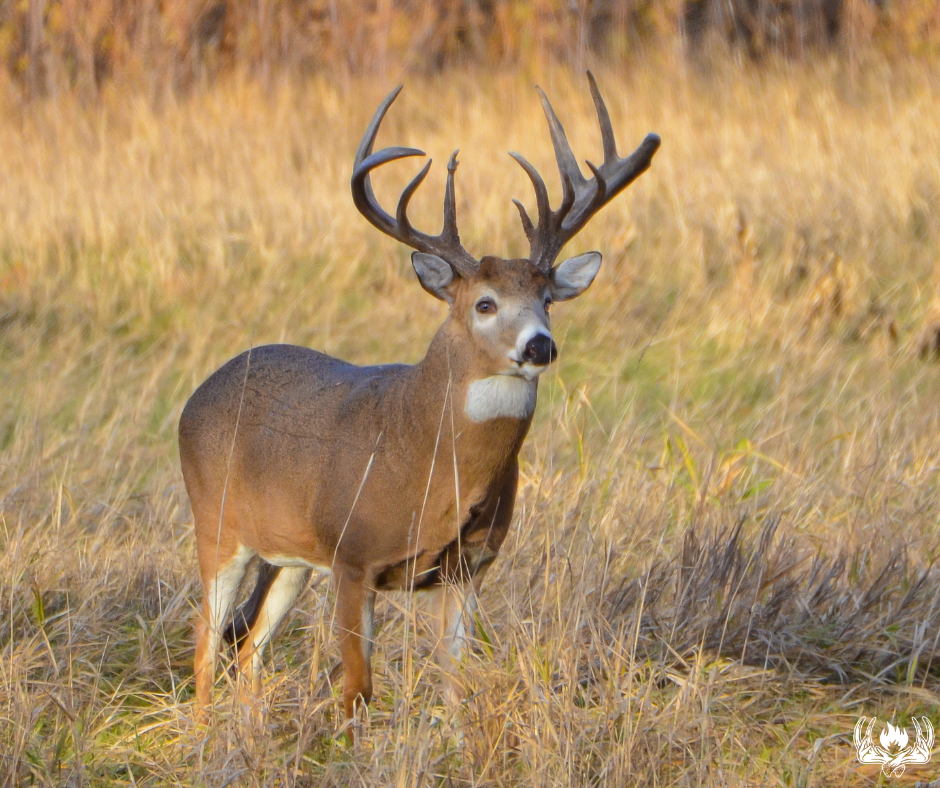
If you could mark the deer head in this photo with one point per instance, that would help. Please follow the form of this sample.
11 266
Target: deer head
503 304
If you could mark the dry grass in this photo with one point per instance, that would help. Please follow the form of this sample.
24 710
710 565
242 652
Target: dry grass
723 550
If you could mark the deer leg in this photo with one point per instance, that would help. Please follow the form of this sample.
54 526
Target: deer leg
354 607
285 589
220 582
455 606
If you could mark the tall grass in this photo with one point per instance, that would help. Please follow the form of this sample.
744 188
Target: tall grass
725 533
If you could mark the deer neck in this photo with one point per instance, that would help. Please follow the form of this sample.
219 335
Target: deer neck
427 408
480 404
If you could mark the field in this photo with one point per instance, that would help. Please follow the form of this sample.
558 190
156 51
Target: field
725 535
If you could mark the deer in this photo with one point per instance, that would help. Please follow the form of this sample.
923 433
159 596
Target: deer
392 477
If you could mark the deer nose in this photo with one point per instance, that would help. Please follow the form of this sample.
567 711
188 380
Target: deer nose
540 350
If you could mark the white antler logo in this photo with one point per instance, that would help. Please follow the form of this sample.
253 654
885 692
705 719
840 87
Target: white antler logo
894 753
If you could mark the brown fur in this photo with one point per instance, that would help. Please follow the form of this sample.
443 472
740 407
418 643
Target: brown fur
378 474
352 468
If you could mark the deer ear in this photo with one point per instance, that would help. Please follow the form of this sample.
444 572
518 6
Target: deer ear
435 275
574 276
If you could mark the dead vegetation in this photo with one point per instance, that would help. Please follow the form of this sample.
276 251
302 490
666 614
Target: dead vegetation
861 617
727 523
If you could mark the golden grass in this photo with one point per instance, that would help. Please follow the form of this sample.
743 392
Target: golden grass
750 353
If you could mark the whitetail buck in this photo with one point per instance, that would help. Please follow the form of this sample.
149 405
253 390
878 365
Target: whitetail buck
394 476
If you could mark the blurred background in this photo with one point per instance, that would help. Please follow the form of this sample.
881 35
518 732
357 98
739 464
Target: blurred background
53 46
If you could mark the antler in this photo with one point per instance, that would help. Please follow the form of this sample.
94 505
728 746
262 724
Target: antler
581 198
447 244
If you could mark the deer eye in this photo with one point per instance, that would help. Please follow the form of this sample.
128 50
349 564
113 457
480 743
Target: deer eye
548 303
486 306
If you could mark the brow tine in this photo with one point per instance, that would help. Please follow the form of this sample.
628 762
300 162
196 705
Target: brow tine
601 194
527 226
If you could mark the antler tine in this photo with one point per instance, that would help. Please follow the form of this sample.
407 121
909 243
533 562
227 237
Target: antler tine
401 214
541 193
447 244
449 230
567 164
581 198
527 225
368 139
603 120
364 197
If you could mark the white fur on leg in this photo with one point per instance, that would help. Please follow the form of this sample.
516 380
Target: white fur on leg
221 594
368 614
500 396
220 598
455 607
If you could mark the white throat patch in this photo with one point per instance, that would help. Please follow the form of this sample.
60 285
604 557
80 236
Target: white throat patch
500 395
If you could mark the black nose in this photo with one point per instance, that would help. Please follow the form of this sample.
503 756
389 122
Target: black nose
540 350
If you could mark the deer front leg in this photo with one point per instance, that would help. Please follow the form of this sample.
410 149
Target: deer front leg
455 607
354 607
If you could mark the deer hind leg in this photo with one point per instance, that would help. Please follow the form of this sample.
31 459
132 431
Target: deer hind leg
220 581
280 598
354 609
455 607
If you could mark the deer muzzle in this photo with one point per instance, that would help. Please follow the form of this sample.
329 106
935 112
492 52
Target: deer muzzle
540 350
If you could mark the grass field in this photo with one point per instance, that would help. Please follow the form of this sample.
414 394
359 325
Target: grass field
728 518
